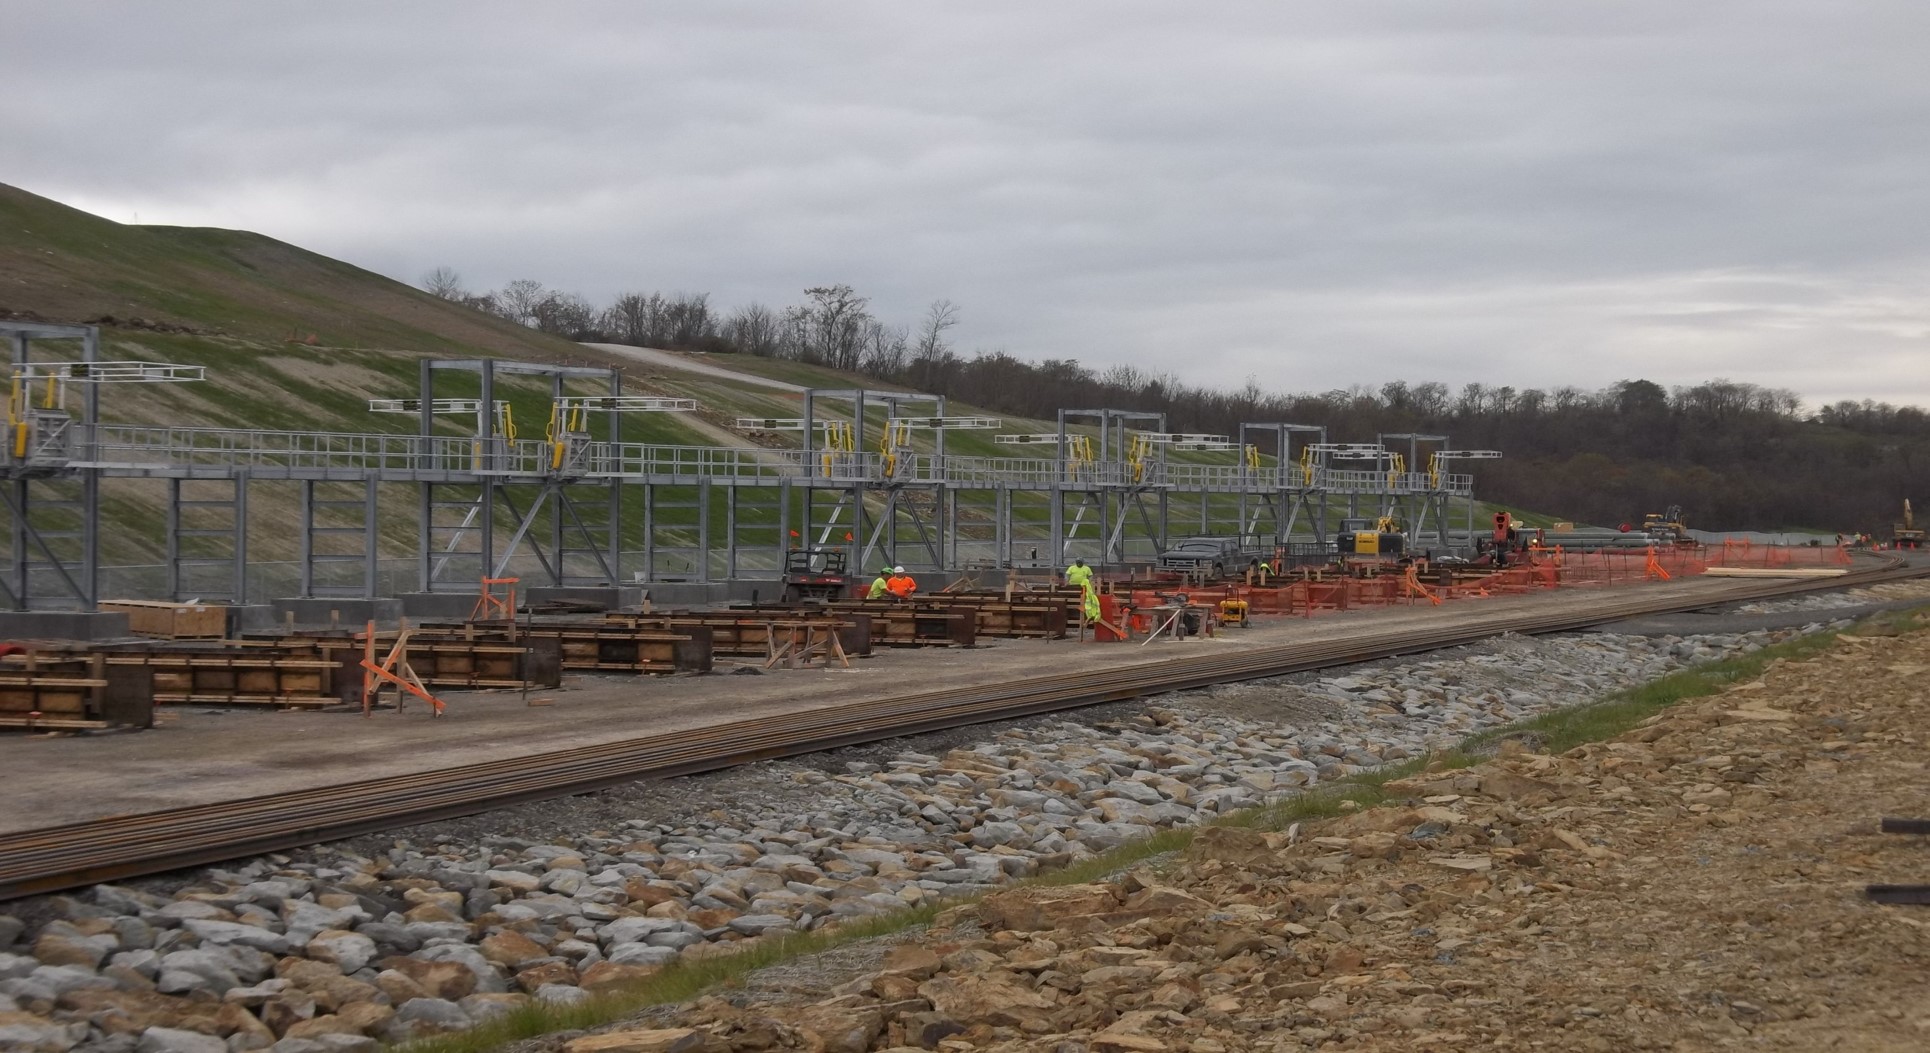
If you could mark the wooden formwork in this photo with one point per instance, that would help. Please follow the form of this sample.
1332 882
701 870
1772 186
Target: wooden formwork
915 624
893 623
991 616
579 646
438 659
1023 618
234 677
741 635
616 648
211 674
72 692
1071 600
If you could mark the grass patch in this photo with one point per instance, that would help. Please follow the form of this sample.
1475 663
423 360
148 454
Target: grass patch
678 982
1554 732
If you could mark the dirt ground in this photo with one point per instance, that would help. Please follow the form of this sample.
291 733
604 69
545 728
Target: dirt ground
1696 884
201 754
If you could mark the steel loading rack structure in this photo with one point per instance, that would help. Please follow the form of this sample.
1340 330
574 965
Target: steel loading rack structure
581 507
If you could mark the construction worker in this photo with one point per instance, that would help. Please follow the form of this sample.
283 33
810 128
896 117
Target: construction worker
901 585
1081 575
881 585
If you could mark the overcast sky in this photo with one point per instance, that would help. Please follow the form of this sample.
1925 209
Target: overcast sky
1313 195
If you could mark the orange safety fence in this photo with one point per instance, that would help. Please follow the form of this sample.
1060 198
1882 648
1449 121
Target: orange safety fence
1745 553
1543 568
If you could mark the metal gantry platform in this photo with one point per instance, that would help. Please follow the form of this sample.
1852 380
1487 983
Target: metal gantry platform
576 508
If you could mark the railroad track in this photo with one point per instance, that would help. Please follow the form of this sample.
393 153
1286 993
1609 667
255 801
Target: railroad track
117 847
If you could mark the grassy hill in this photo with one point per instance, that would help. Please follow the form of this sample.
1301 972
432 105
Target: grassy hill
62 264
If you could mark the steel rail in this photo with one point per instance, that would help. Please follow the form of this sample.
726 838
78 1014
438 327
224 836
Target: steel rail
116 847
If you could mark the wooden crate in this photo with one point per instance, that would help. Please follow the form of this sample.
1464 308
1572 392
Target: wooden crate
172 621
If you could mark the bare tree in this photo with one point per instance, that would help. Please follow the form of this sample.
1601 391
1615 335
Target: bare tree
688 320
444 283
486 303
886 349
830 328
939 317
633 318
520 299
567 315
755 329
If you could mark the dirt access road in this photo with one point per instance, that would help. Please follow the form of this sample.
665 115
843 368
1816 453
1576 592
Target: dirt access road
652 356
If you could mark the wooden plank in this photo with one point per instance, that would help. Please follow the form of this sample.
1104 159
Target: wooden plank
203 699
53 723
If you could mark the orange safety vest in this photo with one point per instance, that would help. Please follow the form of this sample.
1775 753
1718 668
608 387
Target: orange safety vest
902 586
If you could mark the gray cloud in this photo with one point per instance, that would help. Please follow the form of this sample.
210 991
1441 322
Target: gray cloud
1312 194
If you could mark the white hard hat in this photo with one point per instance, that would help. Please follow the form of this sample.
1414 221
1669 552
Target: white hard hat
897 570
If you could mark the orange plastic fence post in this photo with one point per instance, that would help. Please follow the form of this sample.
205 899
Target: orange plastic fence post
1654 569
489 606
368 655
1414 586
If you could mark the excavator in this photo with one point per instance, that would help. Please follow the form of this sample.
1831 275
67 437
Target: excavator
1668 527
1906 533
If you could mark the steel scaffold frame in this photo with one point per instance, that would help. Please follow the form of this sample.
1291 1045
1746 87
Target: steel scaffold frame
554 510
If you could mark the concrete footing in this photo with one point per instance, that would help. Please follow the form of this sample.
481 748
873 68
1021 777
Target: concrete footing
62 625
608 599
345 613
437 606
250 617
710 593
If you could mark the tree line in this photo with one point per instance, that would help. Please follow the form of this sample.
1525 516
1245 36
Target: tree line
1734 455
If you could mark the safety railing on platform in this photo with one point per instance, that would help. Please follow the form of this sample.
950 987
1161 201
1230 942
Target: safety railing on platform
152 446
1344 480
161 448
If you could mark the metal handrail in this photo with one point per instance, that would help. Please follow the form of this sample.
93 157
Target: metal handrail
165 447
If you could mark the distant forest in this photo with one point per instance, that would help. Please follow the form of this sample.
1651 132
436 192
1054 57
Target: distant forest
1733 455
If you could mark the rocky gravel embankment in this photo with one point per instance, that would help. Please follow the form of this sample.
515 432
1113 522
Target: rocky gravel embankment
1695 884
337 947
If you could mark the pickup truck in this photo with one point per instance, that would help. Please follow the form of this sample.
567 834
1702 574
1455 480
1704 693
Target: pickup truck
1214 555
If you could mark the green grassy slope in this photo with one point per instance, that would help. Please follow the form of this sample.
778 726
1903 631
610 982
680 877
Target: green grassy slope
62 264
